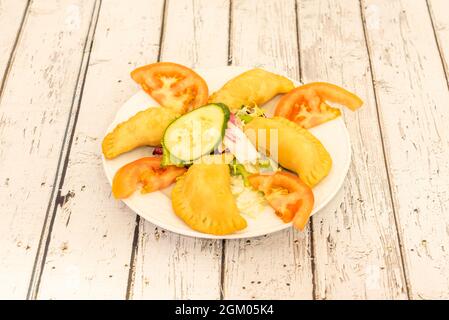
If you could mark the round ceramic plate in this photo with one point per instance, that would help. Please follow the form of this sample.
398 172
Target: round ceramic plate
156 207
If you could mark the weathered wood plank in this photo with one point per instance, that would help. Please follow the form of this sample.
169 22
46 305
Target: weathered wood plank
357 254
413 98
12 15
168 265
276 266
91 242
440 21
34 111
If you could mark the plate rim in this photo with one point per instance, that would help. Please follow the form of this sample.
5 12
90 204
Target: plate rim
265 231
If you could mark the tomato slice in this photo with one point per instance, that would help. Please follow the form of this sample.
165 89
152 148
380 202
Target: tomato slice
291 198
172 85
146 171
306 104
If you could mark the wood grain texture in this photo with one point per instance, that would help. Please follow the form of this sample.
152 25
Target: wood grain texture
91 242
357 254
12 14
440 22
168 265
62 235
413 103
276 266
33 116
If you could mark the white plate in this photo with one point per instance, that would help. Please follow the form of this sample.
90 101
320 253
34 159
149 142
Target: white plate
156 207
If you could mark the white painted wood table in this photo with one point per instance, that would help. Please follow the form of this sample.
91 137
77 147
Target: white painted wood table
64 71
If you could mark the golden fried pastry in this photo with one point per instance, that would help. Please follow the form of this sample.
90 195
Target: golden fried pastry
145 128
297 149
203 199
253 87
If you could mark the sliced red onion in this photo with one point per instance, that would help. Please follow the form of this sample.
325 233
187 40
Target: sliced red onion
158 151
237 142
232 118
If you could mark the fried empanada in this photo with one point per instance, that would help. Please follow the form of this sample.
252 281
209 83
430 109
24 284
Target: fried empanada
202 198
297 149
253 87
145 128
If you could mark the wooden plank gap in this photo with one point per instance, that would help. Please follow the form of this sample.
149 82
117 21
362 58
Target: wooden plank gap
312 258
438 43
135 244
376 101
298 42
222 269
14 49
61 168
230 34
223 242
161 38
311 237
132 264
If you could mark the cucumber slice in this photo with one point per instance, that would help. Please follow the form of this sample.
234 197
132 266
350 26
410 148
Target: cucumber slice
195 134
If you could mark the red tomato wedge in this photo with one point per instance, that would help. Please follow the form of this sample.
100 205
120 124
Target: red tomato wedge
291 198
306 105
172 85
146 171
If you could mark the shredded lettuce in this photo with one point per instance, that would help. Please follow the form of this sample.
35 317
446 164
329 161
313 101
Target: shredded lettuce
262 165
238 169
249 202
247 113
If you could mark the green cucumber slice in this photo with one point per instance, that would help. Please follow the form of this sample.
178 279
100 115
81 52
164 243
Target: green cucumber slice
195 134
